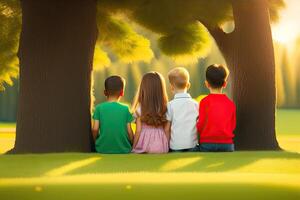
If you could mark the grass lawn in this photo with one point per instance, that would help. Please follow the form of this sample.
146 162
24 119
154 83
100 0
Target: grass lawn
238 175
7 125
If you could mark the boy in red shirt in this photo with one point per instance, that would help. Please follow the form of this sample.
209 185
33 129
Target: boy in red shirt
217 118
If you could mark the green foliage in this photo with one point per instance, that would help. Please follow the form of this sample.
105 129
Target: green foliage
122 40
162 16
176 22
126 44
182 36
101 58
10 22
186 43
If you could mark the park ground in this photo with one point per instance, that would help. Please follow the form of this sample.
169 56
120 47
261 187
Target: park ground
239 175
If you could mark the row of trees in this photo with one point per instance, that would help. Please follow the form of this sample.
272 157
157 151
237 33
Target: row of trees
8 102
287 77
287 74
57 44
288 71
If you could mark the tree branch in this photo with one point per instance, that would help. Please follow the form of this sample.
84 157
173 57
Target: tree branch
223 40
218 34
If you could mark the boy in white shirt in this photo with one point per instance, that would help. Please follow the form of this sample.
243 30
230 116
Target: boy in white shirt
182 113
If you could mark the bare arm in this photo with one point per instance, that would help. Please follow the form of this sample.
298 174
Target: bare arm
95 128
130 132
137 132
167 129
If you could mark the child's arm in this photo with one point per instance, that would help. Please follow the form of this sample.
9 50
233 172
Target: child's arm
167 129
95 128
130 132
169 116
137 132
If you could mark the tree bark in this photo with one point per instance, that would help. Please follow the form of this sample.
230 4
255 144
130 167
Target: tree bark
56 53
249 54
253 76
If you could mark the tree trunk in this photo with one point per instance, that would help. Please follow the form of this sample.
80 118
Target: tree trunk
251 60
56 53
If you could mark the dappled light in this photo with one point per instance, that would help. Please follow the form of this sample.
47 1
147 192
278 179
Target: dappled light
72 166
219 164
179 163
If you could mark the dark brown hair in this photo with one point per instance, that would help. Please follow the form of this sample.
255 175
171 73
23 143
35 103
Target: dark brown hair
216 75
152 99
114 85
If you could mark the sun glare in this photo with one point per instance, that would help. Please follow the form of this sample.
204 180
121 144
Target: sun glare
284 35
287 30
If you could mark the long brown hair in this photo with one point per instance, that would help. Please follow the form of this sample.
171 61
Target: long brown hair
152 98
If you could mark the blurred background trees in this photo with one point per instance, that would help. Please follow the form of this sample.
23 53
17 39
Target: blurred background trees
8 97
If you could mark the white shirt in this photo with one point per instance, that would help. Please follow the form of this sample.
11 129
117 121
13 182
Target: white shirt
183 113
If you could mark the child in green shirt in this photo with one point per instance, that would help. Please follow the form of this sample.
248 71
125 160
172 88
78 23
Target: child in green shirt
111 128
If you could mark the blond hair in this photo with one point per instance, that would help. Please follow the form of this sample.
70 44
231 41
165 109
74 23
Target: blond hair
179 77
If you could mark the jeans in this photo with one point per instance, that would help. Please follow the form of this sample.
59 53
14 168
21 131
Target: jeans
213 147
195 149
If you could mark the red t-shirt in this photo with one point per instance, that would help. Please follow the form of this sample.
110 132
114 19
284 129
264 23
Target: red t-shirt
217 119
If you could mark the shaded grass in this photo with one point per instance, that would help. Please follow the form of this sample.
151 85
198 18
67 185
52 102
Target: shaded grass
159 191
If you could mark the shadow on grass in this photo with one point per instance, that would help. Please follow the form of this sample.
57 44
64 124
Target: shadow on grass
189 162
62 164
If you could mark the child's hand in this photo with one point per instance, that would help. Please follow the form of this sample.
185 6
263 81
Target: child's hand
167 129
130 132
95 129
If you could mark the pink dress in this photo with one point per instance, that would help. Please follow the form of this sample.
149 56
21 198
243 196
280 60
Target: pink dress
152 140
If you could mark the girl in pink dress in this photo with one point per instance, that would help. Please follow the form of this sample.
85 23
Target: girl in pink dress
150 108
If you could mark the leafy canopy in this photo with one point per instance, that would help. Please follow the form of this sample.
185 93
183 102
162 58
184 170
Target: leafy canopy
10 23
178 24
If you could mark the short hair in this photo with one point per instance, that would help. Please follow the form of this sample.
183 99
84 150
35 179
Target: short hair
114 85
179 77
216 75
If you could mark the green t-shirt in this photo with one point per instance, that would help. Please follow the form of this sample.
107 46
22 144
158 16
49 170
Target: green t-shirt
113 118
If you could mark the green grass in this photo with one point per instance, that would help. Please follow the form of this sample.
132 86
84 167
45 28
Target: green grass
288 121
7 125
238 175
244 175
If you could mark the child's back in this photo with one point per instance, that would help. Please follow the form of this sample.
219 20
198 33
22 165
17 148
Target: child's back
216 113
113 118
151 107
152 139
183 113
218 118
